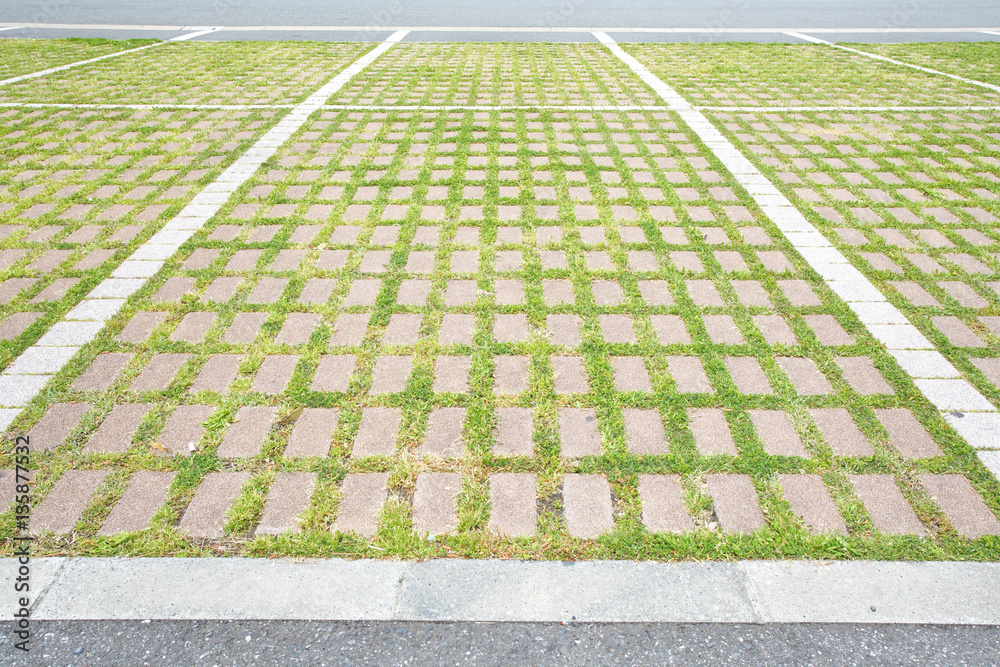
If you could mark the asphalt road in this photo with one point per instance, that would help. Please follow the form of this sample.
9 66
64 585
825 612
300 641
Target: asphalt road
715 14
384 644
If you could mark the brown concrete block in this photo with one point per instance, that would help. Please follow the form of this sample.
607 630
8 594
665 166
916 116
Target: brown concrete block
513 507
402 329
630 374
457 329
246 436
451 374
907 434
644 432
775 330
886 506
390 375
805 375
840 432
777 433
287 498
663 506
514 433
689 375
434 510
722 329
558 292
578 432
144 496
193 327
670 329
217 374
349 329
275 373
752 293
298 328
334 373
459 293
711 432
103 371
267 290
811 502
965 509
563 329
317 291
114 435
244 260
656 292
956 331
55 425
861 374
361 293
141 326
159 373
311 433
828 330
703 293
508 292
377 432
510 374
206 516
799 293
443 436
735 502
17 324
174 288
617 328
511 328
244 328
748 376
62 507
569 375
361 503
221 290
587 505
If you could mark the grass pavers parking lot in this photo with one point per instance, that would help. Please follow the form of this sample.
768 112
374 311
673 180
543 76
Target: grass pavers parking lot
976 60
82 188
24 56
522 333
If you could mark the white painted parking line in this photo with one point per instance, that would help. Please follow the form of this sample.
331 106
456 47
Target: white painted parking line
10 27
817 40
39 363
882 319
35 75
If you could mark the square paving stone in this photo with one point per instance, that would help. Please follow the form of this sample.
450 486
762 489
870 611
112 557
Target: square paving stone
630 374
349 329
907 434
840 432
861 374
777 433
617 328
748 375
704 293
55 426
711 432
434 503
12 287
317 291
723 330
61 508
244 260
510 374
558 292
563 329
451 374
514 433
160 372
114 435
184 428
287 498
587 505
607 293
217 374
312 432
644 432
656 292
246 435
275 373
965 509
362 293
193 327
957 333
775 330
221 290
459 293
363 495
103 372
403 329
288 260
457 329
513 509
298 328
377 432
510 328
141 326
244 328
569 375
206 515
811 502
200 258
144 496
828 330
56 290
735 502
670 329
886 506
443 436
799 293
578 432
334 373
689 375
805 375
17 324
390 375
663 507
268 290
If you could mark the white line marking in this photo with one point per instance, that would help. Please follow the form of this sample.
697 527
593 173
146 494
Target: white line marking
817 40
821 108
43 72
987 32
12 27
38 360
946 390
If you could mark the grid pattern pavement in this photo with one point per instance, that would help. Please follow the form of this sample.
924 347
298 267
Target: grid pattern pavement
517 331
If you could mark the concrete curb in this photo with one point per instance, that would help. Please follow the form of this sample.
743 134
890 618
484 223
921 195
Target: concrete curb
960 593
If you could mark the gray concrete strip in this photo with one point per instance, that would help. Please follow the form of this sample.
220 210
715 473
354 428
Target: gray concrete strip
42 572
961 593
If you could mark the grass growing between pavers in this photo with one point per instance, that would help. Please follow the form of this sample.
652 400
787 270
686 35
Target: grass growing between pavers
797 75
196 73
488 184
83 188
24 56
979 61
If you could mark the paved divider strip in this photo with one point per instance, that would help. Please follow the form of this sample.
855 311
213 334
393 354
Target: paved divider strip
928 70
503 590
30 372
35 75
962 405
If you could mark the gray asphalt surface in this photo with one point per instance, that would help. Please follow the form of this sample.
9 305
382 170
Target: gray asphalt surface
367 643
716 14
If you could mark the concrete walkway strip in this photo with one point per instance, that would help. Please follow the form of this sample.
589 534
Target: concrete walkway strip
816 40
42 361
512 591
35 75
962 405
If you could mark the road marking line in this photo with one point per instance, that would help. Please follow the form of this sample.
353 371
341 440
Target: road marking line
928 70
961 404
43 72
987 32
82 324
13 27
